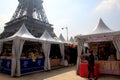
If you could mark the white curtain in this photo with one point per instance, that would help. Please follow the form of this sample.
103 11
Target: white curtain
1 47
79 48
13 66
116 42
62 53
46 49
16 51
19 46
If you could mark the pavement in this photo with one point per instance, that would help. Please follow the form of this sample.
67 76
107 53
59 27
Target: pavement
66 73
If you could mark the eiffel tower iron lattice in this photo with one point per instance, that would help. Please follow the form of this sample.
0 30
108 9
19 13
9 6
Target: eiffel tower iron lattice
32 14
30 8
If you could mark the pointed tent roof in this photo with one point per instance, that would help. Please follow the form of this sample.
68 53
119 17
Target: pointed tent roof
61 38
72 40
46 36
101 28
23 32
101 33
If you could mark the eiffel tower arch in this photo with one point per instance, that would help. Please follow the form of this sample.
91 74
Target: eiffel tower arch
32 14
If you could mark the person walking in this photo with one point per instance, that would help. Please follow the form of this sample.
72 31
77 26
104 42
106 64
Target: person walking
91 63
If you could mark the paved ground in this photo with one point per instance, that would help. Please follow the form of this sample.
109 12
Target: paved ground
67 73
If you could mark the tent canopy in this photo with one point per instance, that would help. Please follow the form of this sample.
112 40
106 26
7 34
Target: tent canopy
22 33
46 37
101 33
61 38
101 28
72 40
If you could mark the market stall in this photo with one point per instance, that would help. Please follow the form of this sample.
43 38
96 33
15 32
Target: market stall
6 56
71 53
55 55
32 57
70 50
105 44
54 51
28 62
25 53
11 53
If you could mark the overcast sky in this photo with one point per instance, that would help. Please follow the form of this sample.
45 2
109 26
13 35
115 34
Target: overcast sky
80 16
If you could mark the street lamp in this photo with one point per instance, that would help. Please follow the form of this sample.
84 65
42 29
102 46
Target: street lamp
66 31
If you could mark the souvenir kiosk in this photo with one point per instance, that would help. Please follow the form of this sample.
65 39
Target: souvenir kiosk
105 44
23 53
15 60
71 52
54 51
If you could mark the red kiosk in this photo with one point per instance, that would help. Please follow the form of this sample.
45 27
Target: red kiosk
106 48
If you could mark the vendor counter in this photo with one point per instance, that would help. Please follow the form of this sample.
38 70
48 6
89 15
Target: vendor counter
54 62
83 69
27 65
101 67
6 66
109 67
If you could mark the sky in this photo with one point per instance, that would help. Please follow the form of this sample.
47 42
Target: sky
80 16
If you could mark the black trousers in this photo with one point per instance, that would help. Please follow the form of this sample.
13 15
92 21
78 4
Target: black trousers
91 70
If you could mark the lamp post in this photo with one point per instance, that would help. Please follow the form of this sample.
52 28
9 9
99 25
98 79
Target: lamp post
66 31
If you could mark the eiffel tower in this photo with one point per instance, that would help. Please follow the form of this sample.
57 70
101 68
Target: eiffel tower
32 14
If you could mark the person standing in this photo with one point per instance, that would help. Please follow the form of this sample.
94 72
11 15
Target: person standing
91 63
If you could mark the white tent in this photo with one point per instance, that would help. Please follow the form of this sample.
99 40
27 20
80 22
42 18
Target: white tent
72 41
18 40
46 36
22 33
61 38
101 33
62 47
48 40
1 47
101 28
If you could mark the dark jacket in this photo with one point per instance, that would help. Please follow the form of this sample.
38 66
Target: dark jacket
91 61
